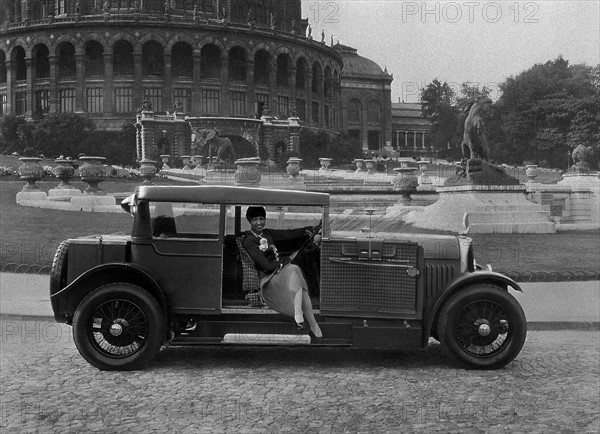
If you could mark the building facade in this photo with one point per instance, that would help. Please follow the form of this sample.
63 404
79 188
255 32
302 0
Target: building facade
366 100
411 131
228 58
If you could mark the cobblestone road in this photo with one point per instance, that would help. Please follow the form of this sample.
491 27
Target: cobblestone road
553 386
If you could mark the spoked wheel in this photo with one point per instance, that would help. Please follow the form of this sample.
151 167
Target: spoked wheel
483 326
118 327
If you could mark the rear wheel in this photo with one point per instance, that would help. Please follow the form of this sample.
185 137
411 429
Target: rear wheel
483 326
118 327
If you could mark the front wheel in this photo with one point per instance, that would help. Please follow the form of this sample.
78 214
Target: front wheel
483 326
118 327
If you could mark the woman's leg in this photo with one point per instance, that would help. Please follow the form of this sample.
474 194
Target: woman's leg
298 317
307 309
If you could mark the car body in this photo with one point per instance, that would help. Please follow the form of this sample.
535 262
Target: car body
178 278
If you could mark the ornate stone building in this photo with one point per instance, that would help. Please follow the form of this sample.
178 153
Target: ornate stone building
366 96
216 58
228 59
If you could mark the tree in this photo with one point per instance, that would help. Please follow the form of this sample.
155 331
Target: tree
9 133
549 109
438 105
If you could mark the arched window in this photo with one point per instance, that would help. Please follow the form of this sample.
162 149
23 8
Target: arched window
210 61
2 67
41 63
283 70
316 77
262 61
327 84
354 109
374 112
66 60
93 60
153 61
237 64
122 58
301 74
182 63
18 58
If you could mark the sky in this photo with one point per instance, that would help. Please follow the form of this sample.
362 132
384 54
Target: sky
482 42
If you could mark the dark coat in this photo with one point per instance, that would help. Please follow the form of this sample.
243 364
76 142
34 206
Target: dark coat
266 262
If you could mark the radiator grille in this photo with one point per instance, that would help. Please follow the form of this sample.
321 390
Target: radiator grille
365 286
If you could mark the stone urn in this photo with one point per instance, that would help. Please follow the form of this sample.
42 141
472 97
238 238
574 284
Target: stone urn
64 171
92 173
532 171
370 166
148 170
198 160
165 161
186 161
405 182
31 171
248 172
325 163
359 164
293 167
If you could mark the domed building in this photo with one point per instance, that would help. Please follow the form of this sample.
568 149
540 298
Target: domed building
215 58
366 100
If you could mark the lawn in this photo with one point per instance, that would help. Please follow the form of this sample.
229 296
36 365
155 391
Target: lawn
30 236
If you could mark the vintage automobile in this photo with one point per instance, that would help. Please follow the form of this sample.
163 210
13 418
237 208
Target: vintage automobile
182 274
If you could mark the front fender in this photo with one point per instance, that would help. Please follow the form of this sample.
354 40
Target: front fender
489 277
65 302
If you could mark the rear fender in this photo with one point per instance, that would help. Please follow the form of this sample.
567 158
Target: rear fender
488 277
65 302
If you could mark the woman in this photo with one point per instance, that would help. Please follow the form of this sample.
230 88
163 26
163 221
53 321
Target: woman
283 286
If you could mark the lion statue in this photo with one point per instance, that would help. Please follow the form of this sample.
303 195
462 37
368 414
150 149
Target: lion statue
216 145
475 144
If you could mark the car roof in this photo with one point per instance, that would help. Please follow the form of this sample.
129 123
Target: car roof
216 194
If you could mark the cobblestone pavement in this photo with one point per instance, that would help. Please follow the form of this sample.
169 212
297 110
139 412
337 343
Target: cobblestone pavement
553 386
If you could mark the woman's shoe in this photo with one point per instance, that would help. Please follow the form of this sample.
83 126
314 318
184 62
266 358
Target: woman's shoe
300 325
314 339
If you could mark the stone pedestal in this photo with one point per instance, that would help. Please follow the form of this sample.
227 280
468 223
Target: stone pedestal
89 202
29 196
248 172
481 209
584 200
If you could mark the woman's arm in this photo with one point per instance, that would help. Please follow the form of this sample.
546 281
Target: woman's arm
260 259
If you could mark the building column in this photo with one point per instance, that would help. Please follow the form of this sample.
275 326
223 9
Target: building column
30 101
414 140
138 90
308 92
292 84
406 139
79 91
423 140
224 109
250 90
273 85
109 103
196 87
10 94
54 103
167 85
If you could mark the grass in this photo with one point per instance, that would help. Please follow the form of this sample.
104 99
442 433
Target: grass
30 236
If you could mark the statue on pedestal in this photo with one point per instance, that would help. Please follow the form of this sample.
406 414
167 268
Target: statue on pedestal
580 155
474 168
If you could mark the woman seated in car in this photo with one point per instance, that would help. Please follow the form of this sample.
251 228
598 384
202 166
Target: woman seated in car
282 283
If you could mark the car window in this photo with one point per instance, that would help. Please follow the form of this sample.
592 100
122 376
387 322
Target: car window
184 219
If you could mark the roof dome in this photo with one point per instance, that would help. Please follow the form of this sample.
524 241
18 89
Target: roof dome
358 65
